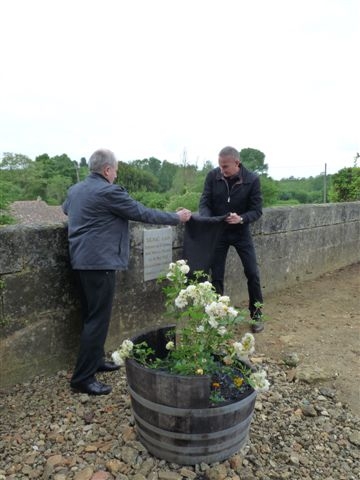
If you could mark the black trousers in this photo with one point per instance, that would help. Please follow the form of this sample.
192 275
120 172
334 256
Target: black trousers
96 295
245 249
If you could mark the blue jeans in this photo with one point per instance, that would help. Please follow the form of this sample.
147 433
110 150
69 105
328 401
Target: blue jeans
244 246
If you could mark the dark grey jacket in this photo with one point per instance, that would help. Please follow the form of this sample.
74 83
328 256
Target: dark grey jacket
244 198
98 226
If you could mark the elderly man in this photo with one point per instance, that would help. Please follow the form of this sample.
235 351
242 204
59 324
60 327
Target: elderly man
98 231
232 189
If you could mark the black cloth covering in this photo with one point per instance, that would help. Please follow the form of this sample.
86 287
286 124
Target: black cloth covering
200 239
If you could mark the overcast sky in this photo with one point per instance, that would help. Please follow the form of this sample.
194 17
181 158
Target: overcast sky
160 77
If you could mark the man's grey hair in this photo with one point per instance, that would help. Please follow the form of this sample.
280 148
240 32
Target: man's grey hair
100 159
229 151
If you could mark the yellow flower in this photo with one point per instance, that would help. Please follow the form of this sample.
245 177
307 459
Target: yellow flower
199 371
238 382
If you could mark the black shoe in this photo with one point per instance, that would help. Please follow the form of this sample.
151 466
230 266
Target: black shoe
108 367
258 325
91 387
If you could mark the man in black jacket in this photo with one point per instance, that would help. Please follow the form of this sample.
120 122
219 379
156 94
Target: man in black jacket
98 230
232 189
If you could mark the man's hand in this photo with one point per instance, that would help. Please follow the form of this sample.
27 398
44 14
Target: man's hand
233 218
184 214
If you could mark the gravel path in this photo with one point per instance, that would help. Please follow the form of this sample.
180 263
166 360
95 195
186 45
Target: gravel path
299 431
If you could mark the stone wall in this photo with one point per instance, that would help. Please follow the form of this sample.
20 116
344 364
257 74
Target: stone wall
39 310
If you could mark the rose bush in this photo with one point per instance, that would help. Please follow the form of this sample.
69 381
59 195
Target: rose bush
204 341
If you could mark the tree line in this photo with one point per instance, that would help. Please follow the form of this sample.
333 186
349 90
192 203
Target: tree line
161 184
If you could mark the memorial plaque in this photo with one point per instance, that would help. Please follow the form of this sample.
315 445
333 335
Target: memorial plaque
157 252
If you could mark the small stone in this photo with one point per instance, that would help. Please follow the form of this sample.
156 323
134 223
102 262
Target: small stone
26 470
55 460
153 476
219 472
291 359
101 475
147 466
129 434
91 448
312 374
84 474
168 475
60 476
129 455
275 397
114 466
235 462
309 411
354 438
328 392
185 472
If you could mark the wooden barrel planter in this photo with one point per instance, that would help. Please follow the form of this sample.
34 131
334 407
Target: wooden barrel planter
172 414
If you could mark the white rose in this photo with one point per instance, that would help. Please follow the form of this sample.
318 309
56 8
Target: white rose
185 269
224 299
127 345
213 323
259 381
180 301
117 359
170 346
238 348
232 312
221 330
248 343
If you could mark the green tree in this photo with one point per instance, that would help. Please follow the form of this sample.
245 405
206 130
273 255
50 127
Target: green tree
9 192
14 169
151 165
188 200
253 160
56 189
269 190
166 175
303 190
184 180
14 161
134 179
346 185
152 199
58 165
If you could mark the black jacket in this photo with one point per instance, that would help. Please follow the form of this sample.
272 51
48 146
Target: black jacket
98 227
244 198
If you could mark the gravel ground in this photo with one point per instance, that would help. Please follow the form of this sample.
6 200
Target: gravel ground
299 431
